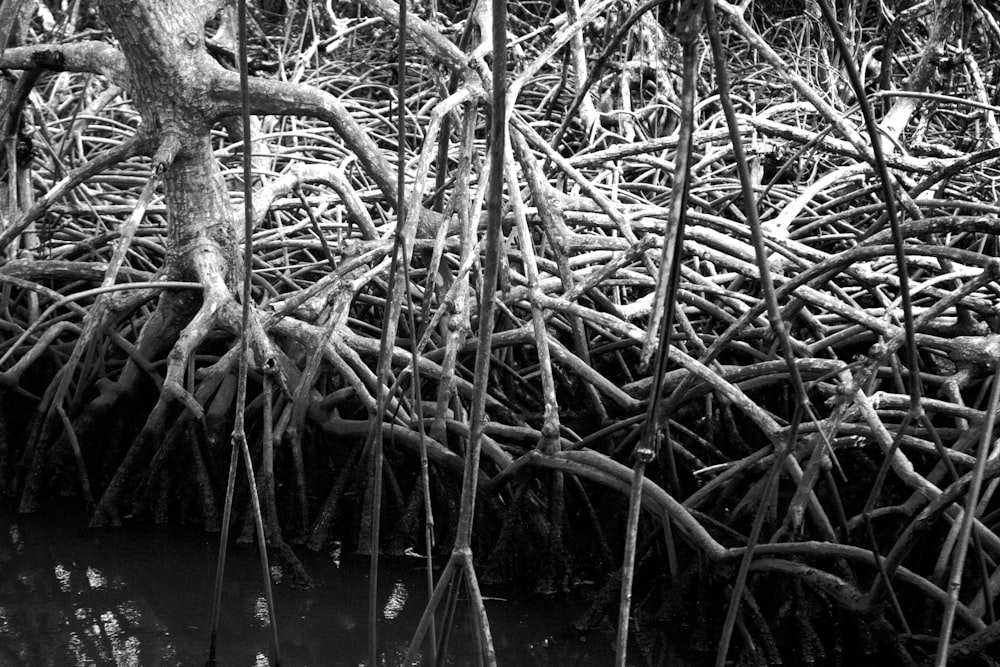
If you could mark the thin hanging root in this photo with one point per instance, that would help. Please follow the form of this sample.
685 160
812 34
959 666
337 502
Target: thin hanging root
247 325
668 279
628 564
461 555
460 564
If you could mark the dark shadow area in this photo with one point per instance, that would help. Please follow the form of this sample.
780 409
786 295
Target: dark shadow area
140 596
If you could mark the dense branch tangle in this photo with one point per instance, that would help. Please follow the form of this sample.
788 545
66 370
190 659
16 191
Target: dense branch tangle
582 246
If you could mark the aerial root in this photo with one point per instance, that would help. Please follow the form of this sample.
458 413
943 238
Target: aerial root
218 311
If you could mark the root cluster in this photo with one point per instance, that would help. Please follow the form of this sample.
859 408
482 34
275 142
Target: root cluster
122 391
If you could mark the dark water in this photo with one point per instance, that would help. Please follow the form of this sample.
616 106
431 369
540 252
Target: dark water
140 596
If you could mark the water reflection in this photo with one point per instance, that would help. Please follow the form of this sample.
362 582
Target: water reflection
140 596
260 611
62 576
397 600
96 579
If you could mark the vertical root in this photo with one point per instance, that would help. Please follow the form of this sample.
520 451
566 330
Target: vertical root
107 511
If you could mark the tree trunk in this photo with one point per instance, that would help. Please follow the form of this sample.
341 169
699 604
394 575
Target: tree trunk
172 77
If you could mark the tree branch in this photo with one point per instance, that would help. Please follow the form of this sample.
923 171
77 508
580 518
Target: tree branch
95 57
282 98
433 43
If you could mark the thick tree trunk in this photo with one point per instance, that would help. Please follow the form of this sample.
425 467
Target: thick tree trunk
172 73
172 80
171 77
